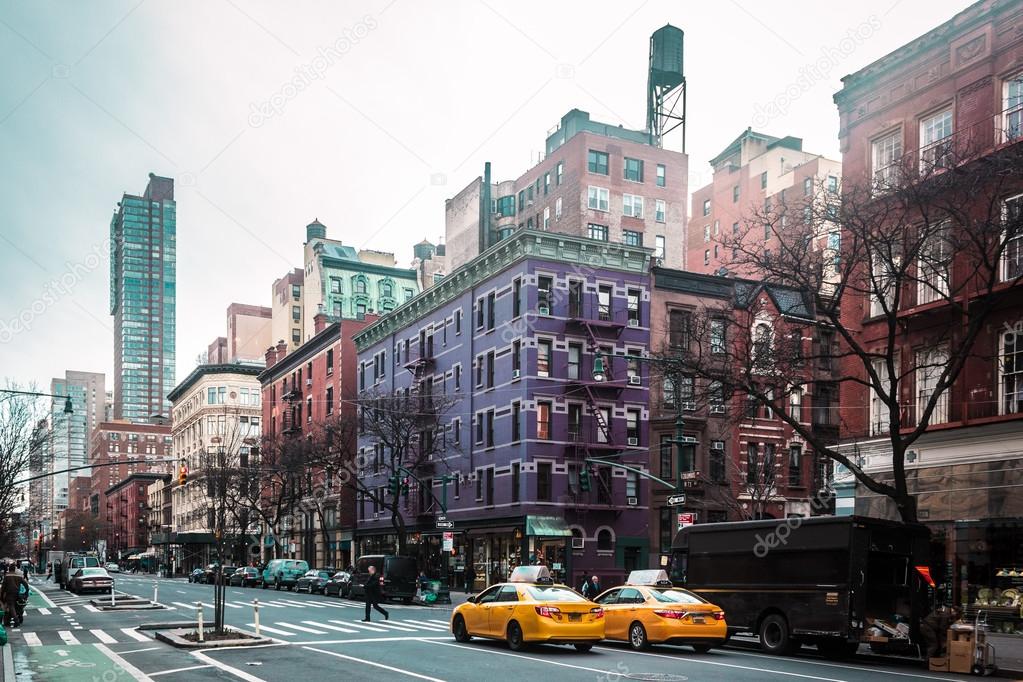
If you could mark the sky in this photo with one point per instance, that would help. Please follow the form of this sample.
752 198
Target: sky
366 115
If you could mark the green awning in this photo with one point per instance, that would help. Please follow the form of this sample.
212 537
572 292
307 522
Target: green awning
547 527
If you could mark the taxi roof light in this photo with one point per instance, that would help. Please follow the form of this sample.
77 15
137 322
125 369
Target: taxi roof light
656 577
530 574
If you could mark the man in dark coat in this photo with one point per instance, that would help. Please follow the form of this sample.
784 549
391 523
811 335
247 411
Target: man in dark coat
373 594
470 578
9 596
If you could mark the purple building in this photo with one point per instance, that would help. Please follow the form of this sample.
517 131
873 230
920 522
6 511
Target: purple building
510 338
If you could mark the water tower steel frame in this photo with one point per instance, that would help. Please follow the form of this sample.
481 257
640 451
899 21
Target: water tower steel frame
666 85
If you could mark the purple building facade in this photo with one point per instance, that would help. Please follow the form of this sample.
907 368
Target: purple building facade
511 339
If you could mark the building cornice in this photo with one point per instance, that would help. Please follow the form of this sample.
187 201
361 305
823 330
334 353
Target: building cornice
202 370
360 267
575 252
324 339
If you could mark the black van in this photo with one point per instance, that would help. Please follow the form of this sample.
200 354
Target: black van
398 575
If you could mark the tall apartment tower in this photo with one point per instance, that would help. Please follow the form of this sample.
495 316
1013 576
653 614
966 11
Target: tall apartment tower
71 432
142 300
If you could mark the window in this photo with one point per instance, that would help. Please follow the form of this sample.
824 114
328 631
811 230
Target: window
807 186
716 397
885 154
603 424
543 358
516 417
796 403
716 461
763 180
575 353
456 433
605 542
360 285
632 238
832 184
679 328
516 356
546 183
632 485
880 420
934 266
516 475
296 313
458 377
598 232
575 420
489 435
706 256
506 206
660 175
490 369
543 420
479 428
717 335
335 285
543 294
296 291
330 400
706 207
522 200
929 365
596 162
633 307
659 210
633 170
632 205
763 343
559 171
632 425
752 457
597 198
1010 371
667 449
735 194
491 305
795 465
543 481
935 141
706 233
1012 254
458 321
557 208
604 302
882 285
659 246
546 217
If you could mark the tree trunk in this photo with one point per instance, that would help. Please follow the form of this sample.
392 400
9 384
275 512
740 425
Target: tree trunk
907 506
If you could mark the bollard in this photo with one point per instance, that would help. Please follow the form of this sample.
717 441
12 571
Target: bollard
156 592
113 595
198 606
255 610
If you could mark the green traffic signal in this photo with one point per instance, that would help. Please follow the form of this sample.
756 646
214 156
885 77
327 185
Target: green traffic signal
584 480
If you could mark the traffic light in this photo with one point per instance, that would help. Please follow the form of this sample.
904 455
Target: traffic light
394 483
404 488
183 475
584 479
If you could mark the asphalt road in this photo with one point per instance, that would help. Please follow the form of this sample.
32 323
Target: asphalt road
318 638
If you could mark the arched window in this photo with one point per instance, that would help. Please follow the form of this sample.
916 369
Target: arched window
762 345
605 543
359 285
386 288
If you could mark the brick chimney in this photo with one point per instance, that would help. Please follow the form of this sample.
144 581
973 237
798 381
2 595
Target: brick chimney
319 322
271 356
282 350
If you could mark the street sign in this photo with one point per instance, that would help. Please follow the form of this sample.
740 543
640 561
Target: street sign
445 524
449 542
686 519
675 500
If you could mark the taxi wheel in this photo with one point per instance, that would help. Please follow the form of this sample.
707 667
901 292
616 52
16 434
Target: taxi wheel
583 648
637 637
702 648
515 640
459 630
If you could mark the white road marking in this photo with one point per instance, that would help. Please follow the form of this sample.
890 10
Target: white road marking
90 607
361 626
67 609
273 631
180 670
136 651
183 605
423 637
32 639
124 665
301 628
330 604
103 637
300 604
329 627
839 665
44 611
135 635
180 591
445 623
241 674
374 664
423 626
720 664
393 626
68 637
607 673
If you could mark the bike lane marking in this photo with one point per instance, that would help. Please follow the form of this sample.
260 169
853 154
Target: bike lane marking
123 664
55 663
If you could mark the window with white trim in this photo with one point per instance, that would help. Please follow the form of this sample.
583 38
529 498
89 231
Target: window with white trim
882 285
1010 373
557 208
929 365
885 154
659 210
1012 108
796 403
1012 235
935 140
632 205
597 198
934 266
880 416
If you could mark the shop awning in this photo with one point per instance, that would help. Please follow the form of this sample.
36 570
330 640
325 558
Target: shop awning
547 527
196 538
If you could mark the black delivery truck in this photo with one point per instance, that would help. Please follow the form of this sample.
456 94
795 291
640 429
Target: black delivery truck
821 580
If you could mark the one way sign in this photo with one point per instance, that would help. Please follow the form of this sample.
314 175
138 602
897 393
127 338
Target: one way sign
675 500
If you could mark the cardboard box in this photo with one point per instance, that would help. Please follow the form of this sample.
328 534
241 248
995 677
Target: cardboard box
938 665
960 657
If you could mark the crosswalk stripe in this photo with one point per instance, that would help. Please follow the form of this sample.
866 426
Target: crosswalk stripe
329 627
231 606
103 637
183 605
90 607
393 626
442 622
67 609
68 637
423 626
301 603
301 628
32 639
272 631
361 626
134 635
331 604
44 611
273 604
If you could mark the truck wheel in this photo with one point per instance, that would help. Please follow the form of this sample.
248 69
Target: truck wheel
774 635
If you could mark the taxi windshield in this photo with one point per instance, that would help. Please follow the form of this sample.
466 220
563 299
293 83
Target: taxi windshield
553 593
675 597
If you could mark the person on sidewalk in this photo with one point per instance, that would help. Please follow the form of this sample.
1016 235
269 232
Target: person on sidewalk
9 597
373 594
470 578
49 570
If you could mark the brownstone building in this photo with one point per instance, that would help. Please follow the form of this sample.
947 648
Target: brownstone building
115 444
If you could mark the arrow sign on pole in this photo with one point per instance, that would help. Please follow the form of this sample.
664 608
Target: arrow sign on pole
675 500
445 524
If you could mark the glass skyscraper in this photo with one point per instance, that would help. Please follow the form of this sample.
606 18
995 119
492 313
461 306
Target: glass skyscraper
142 300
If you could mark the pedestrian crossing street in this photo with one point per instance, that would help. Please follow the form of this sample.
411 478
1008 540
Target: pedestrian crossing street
330 627
76 636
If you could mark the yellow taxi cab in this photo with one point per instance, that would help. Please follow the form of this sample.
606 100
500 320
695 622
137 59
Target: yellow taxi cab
530 608
648 610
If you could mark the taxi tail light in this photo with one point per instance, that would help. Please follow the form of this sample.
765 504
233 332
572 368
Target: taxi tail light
547 611
597 613
665 613
719 615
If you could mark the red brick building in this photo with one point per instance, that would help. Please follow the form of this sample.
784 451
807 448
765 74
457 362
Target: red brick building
115 444
756 173
128 515
302 390
742 463
959 87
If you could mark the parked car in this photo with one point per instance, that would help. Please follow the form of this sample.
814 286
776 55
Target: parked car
312 581
112 567
283 573
95 579
211 573
399 576
245 577
340 584
197 575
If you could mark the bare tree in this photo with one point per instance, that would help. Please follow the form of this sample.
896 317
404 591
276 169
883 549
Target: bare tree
934 229
19 437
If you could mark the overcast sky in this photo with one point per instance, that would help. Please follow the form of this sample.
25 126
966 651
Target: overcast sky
398 103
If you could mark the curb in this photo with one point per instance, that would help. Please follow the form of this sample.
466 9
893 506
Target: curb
173 638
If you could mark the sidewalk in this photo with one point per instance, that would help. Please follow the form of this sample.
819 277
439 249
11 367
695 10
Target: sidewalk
6 663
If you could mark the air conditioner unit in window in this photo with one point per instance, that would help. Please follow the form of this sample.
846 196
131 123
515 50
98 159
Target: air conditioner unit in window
578 543
717 445
692 406
544 309
516 373
632 501
634 441
308 382
635 380
633 322
717 409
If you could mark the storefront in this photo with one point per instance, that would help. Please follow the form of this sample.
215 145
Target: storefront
989 557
